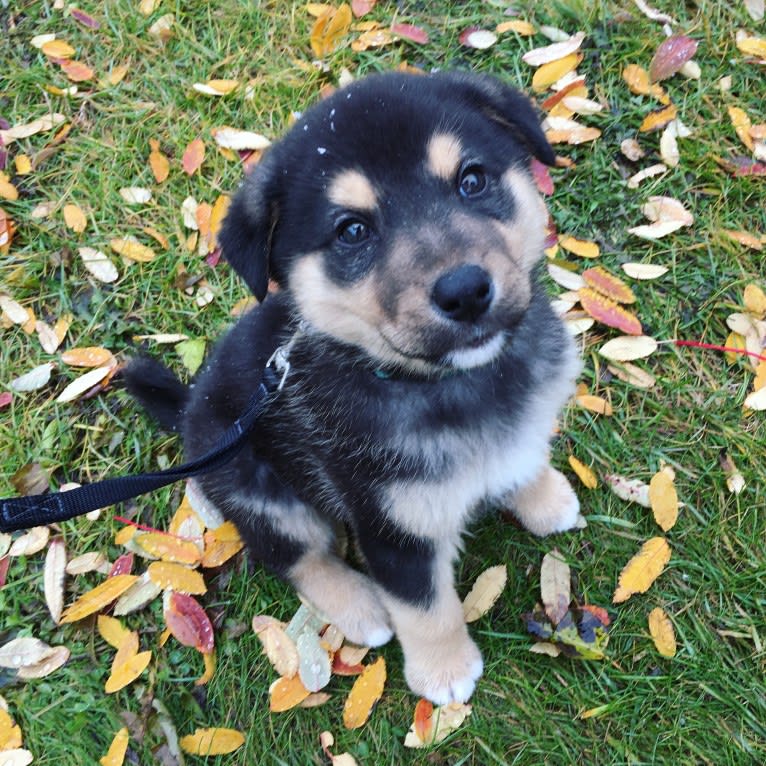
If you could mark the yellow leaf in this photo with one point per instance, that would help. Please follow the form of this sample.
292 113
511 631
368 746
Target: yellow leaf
638 82
595 404
643 569
549 73
664 499
98 598
7 189
127 672
329 28
661 630
365 692
658 120
116 753
753 46
585 474
117 75
177 577
209 659
582 247
734 340
759 381
212 741
132 249
755 300
286 693
112 630
58 49
124 535
741 123
169 548
23 164
74 218
10 733
485 592
523 28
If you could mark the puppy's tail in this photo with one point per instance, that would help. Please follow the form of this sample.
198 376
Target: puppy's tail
158 390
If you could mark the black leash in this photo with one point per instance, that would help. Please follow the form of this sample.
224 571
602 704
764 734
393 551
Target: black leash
36 510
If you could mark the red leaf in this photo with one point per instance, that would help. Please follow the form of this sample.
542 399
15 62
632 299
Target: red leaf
608 312
361 7
423 720
608 285
542 177
187 621
194 154
672 54
84 18
5 562
6 397
122 565
411 32
742 166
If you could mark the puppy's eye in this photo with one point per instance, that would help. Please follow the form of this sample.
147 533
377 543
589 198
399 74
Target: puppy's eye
472 181
352 231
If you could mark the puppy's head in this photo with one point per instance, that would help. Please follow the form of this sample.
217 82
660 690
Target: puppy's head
400 216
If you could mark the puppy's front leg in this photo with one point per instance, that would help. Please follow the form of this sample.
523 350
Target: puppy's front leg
547 504
441 662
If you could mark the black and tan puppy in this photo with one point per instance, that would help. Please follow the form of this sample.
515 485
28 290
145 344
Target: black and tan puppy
400 220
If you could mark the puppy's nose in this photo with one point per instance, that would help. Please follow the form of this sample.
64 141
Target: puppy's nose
464 293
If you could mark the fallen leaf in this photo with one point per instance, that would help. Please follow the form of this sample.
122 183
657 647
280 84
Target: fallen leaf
177 577
280 649
582 633
314 666
10 732
216 87
608 285
286 693
637 79
630 490
754 300
480 39
632 149
555 52
33 380
76 71
630 373
656 230
96 599
112 630
127 672
366 691
410 32
555 586
485 592
141 593
212 741
88 356
661 630
372 38
74 218
670 56
36 538
329 28
239 140
53 578
446 719
168 547
84 383
188 622
326 740
206 677
744 238
596 404
98 264
653 170
194 156
735 481
644 271
552 72
756 400
586 475
135 195
643 569
522 28
752 46
58 49
20 652
664 499
115 756
52 660
658 119
129 247
608 312
582 247
42 124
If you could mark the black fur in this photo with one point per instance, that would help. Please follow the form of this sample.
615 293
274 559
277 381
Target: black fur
400 440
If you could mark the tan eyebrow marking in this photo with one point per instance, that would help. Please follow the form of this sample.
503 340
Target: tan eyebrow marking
443 155
352 189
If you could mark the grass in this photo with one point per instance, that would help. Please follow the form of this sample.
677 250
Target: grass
708 704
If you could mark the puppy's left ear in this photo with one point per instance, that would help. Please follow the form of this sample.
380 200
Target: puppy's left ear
507 106
245 236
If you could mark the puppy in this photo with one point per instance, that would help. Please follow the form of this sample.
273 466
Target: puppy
399 219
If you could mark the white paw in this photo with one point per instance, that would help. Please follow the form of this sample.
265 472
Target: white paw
446 677
568 516
365 624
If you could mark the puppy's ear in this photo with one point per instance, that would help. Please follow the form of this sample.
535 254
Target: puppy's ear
245 236
507 106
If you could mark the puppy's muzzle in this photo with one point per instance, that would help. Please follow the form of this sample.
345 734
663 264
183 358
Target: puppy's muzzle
463 294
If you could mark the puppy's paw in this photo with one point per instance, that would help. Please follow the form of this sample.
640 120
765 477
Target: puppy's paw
365 622
548 504
444 671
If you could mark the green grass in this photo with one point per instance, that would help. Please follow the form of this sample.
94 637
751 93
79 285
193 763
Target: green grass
705 706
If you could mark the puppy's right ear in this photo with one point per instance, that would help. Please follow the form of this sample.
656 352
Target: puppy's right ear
245 236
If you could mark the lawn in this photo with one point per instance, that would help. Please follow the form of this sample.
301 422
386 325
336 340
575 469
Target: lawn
707 704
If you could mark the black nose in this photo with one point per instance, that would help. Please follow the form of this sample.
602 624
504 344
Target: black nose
463 294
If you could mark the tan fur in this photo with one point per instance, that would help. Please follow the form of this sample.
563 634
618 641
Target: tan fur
352 189
547 504
444 153
525 234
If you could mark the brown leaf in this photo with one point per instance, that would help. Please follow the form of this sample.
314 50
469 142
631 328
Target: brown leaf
485 592
188 622
194 156
555 586
643 569
670 56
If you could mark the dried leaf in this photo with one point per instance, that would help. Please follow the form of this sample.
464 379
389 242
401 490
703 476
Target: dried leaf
555 52
630 373
277 646
76 71
756 400
115 756
643 569
608 285
206 677
188 622
168 547
480 39
194 156
141 593
658 119
98 264
485 592
98 598
735 481
51 661
644 271
596 404
656 230
127 672
33 380
43 124
216 87
410 32
286 693
653 170
630 490
84 383
20 652
754 300
744 238
522 28
239 140
130 247
75 218
212 741
637 79
586 475
752 46
53 578
445 719
608 312
36 538
314 666
582 247
670 56
366 691
664 499
552 72
136 195
555 586
661 630
87 356
177 577
328 30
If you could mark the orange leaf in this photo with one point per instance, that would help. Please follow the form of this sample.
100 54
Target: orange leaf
595 404
212 741
661 630
658 119
664 499
638 82
98 598
188 622
10 733
76 71
586 475
194 155
608 285
286 693
87 356
168 547
643 569
177 577
423 719
582 247
608 312
158 162
127 672
58 49
329 28
365 692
